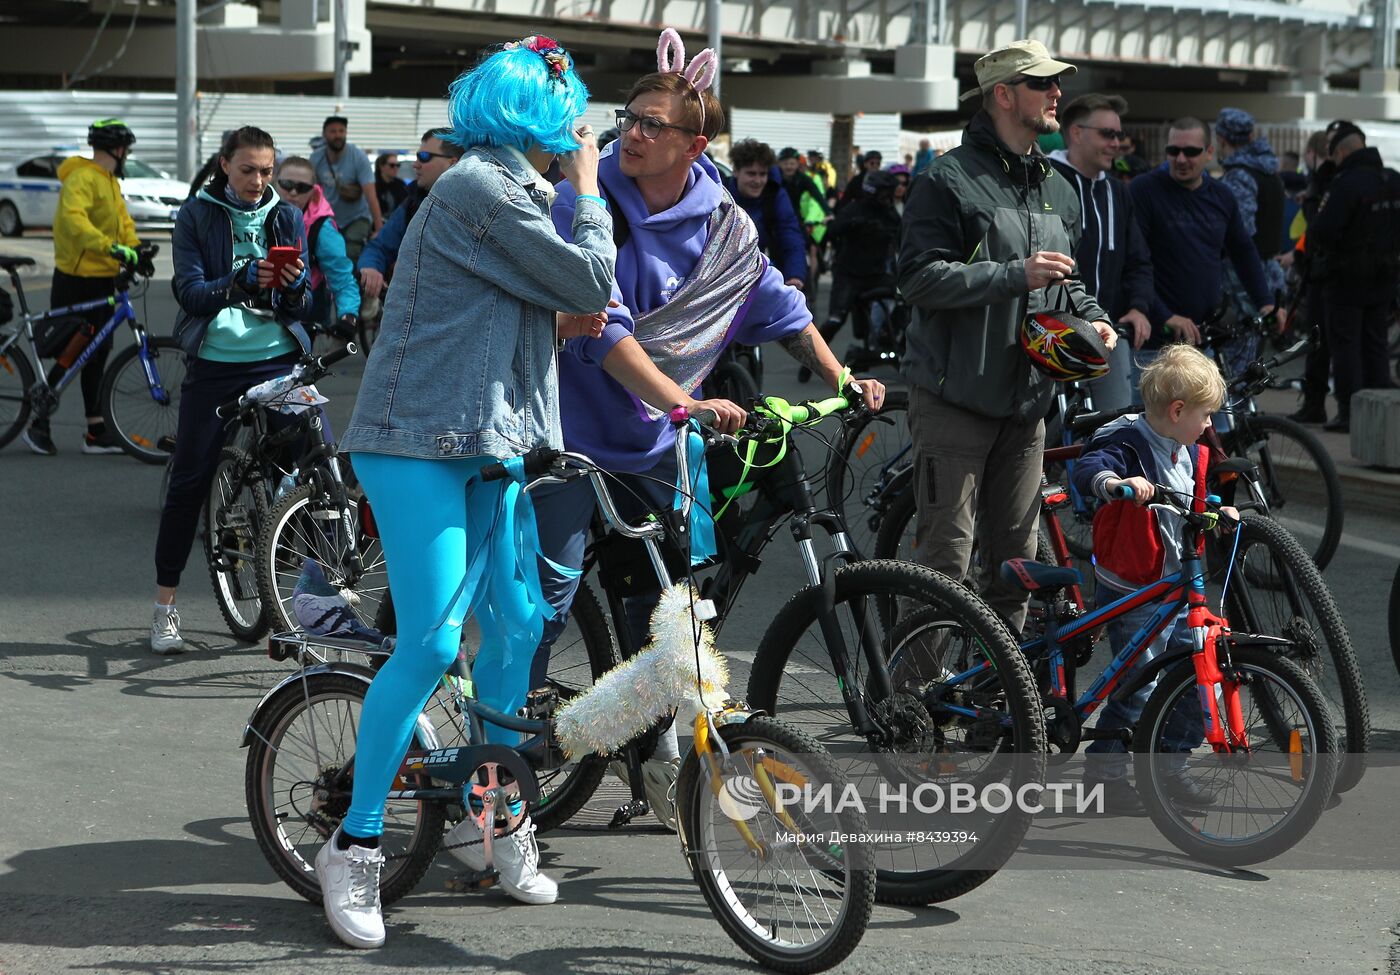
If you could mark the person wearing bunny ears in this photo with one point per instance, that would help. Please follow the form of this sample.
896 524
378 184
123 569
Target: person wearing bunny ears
690 280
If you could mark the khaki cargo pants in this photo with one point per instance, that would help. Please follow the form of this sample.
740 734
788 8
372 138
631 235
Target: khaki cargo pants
974 474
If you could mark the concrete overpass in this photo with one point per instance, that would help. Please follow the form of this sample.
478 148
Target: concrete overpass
1284 60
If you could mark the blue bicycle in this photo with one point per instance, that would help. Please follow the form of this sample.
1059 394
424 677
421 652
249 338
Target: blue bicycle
140 391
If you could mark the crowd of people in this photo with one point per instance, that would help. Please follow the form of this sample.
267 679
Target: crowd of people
537 291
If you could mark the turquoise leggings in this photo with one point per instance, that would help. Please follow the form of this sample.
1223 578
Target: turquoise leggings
432 525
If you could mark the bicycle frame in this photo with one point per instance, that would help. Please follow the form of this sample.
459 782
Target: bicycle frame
122 313
1184 589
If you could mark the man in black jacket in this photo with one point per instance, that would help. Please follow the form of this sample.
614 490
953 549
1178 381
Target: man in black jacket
1355 242
1112 256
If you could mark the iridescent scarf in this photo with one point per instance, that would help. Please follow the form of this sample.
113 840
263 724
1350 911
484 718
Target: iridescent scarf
685 336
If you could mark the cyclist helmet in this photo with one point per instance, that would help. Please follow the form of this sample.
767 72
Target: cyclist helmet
110 133
1063 346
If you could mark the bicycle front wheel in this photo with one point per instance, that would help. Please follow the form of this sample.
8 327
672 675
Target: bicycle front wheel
1249 804
873 451
791 887
234 514
962 693
1277 590
143 419
308 525
297 796
16 376
1298 477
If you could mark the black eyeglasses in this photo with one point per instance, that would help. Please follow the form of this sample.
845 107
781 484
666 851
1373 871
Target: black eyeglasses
425 157
292 186
1037 84
1190 152
651 126
1111 135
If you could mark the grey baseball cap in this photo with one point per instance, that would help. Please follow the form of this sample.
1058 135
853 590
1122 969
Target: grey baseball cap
1017 59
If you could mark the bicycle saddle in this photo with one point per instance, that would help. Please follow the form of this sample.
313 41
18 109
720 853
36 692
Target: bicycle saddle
7 262
1036 577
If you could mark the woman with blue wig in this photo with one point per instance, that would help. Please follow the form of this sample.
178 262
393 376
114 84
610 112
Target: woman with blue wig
464 373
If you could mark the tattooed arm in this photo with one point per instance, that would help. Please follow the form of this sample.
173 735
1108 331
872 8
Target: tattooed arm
810 349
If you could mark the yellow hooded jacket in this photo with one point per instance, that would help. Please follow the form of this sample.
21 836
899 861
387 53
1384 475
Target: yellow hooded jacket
91 218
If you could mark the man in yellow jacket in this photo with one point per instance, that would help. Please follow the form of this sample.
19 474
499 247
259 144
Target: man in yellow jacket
93 236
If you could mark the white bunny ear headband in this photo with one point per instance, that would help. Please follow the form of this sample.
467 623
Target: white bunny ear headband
700 72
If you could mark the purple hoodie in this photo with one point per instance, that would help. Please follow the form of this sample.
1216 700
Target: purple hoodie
600 417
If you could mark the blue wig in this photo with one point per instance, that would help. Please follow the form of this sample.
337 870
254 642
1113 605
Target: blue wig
524 95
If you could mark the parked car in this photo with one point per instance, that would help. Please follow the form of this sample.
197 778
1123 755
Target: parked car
29 193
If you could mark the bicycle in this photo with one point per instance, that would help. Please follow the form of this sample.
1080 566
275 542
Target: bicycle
1216 712
140 391
807 916
864 715
879 320
1297 479
264 471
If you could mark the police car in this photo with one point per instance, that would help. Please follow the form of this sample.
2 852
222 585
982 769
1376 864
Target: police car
29 193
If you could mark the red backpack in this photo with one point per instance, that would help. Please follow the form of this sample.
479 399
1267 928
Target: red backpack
1127 541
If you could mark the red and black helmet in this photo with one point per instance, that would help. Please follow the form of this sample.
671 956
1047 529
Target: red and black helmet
1064 346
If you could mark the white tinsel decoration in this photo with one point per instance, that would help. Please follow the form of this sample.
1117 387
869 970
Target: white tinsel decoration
631 697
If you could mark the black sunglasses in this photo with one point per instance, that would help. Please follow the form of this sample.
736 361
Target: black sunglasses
391 165
1109 134
292 186
425 157
1190 152
1037 84
651 126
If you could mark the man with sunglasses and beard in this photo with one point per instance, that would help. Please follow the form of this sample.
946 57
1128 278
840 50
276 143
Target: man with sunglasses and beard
1189 220
987 238
435 156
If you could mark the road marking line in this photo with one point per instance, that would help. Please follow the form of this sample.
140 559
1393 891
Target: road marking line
1346 538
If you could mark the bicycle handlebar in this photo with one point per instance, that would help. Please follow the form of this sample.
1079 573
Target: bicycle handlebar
308 370
533 463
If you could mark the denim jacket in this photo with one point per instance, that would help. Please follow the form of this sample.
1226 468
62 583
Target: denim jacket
465 363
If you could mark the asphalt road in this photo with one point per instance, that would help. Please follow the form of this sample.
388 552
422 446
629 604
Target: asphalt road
125 845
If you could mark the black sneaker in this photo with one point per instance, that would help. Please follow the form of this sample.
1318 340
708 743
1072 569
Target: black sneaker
1119 796
1309 413
38 439
99 440
1340 424
1180 786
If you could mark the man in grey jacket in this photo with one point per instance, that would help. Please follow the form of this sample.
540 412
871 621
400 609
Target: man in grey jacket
986 240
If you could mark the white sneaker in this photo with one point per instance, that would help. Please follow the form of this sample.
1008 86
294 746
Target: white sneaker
350 892
518 862
659 785
165 633
473 857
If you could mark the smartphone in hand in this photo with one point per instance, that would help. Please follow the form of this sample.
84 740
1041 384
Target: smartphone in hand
280 257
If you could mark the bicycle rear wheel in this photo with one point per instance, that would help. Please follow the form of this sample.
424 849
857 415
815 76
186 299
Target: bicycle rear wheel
794 905
1277 590
1266 797
584 652
872 451
129 405
296 799
234 514
16 376
1298 478
307 524
989 722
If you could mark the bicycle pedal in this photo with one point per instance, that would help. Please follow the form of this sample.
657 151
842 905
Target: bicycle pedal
627 812
705 610
471 880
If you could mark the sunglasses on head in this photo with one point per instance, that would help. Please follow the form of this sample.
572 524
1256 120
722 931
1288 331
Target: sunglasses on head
425 157
292 186
1037 84
1190 152
1109 134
